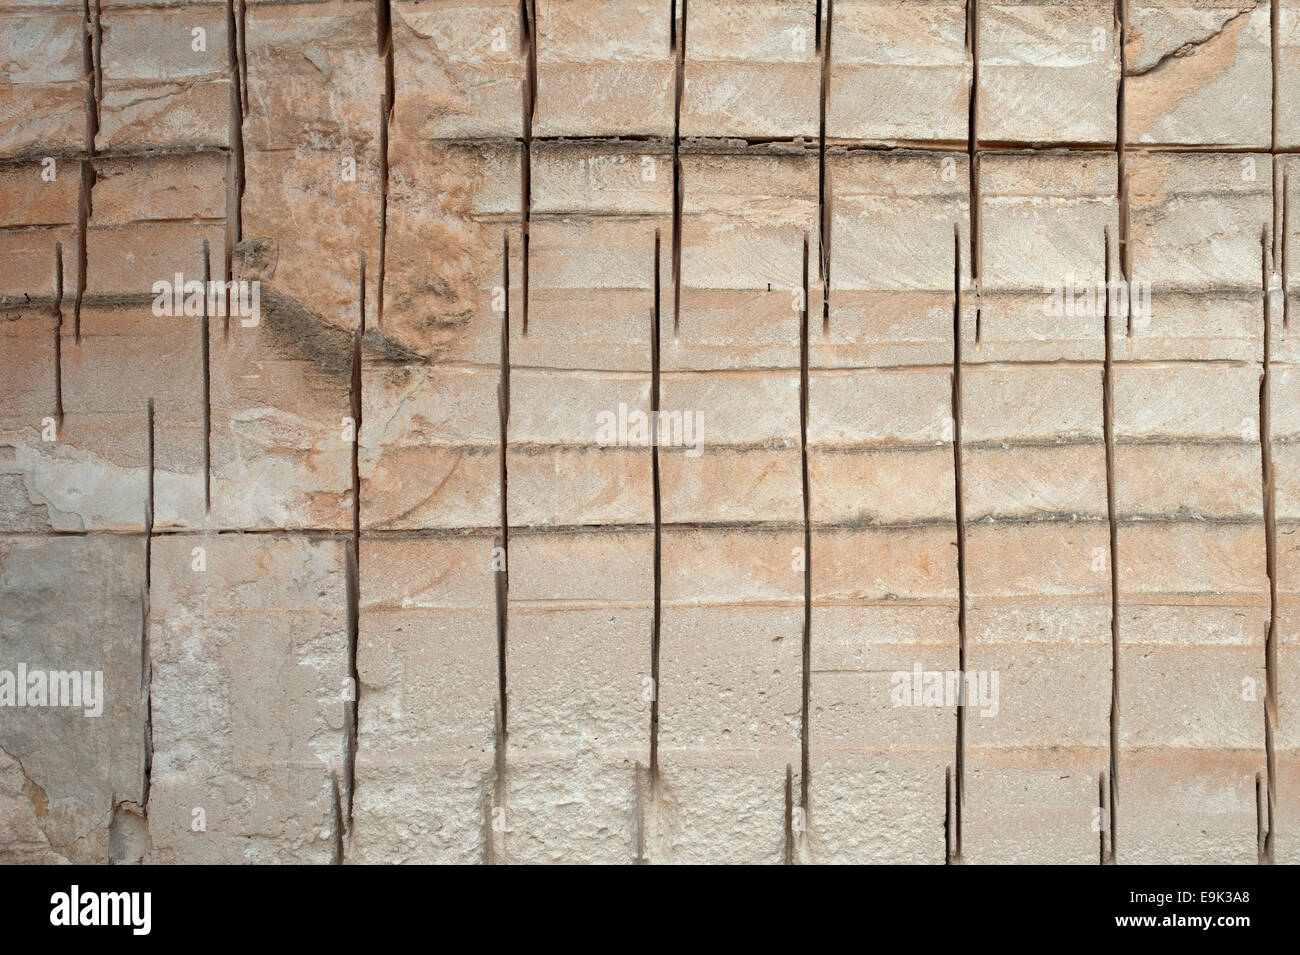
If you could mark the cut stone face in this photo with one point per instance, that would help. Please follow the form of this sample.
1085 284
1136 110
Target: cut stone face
742 269
312 180
728 711
281 441
453 251
604 69
1198 73
1048 72
900 71
250 663
1048 222
752 69
166 78
71 604
898 220
427 662
597 209
462 65
42 81
578 717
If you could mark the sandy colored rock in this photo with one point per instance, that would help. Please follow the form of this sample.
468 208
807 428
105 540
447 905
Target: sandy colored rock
1048 72
1198 72
464 68
613 73
60 800
250 658
897 222
752 69
911 60
427 661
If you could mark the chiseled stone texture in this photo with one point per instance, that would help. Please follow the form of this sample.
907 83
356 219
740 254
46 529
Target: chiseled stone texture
578 654
250 663
1048 222
898 220
462 67
728 711
605 72
164 84
427 664
42 80
909 58
1048 71
283 537
312 179
38 215
752 69
1198 73
72 603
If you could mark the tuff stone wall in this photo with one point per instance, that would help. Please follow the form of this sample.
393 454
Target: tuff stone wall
382 567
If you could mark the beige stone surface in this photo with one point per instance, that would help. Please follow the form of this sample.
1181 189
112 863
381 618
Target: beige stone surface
1198 72
1048 71
410 552
249 658
910 58
60 801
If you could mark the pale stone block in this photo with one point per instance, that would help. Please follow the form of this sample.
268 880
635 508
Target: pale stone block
752 69
604 68
462 68
453 250
1184 807
896 222
42 83
1197 222
909 60
1048 71
71 604
746 216
1035 806
429 451
1208 697
881 486
1198 72
281 440
250 662
1044 266
719 809
427 662
890 408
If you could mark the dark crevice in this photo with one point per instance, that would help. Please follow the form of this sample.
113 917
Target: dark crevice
146 655
823 183
806 661
237 65
337 857
679 84
1108 426
90 55
788 856
384 16
1268 487
1121 150
353 576
1102 855
206 373
948 834
657 502
528 33
58 336
959 791
502 570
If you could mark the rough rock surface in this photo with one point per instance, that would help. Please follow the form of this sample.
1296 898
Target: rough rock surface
373 550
